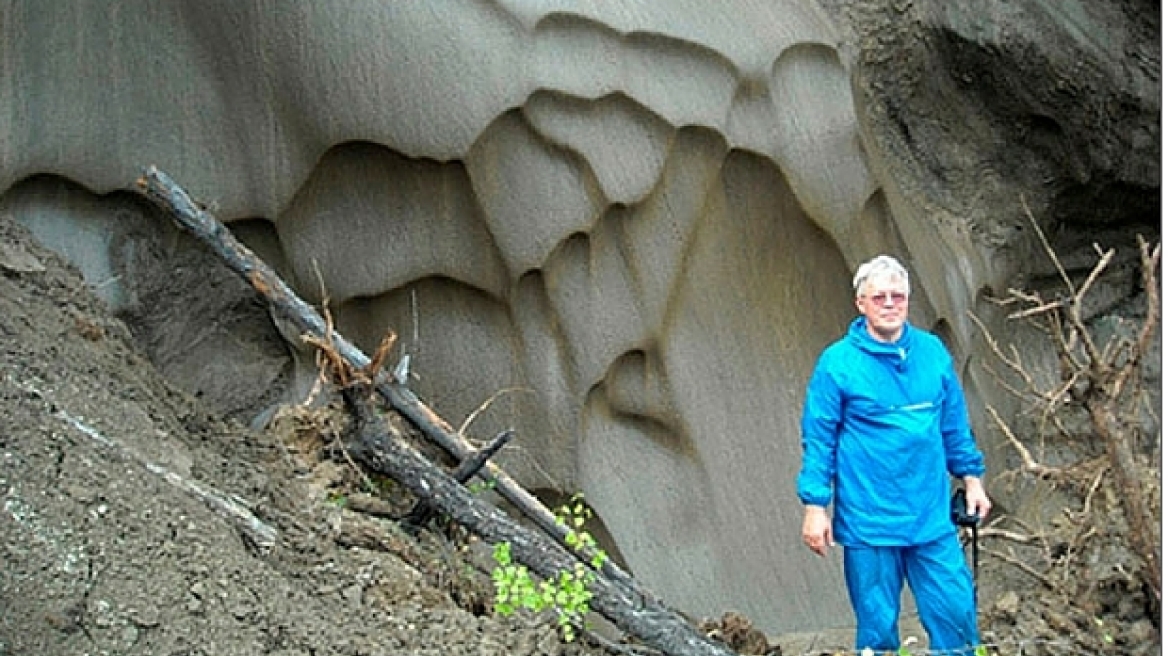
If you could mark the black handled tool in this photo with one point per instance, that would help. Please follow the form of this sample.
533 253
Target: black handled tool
958 513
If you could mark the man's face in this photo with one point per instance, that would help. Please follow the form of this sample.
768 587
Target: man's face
883 300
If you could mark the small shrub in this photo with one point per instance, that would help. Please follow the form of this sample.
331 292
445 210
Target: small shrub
566 593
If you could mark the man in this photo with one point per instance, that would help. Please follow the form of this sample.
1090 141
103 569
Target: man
884 425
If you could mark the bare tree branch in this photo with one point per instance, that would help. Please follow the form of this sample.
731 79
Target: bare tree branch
1104 386
619 597
1023 566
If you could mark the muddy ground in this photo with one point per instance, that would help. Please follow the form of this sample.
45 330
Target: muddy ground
115 536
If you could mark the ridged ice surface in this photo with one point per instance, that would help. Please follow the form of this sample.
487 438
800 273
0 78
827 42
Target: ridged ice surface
632 221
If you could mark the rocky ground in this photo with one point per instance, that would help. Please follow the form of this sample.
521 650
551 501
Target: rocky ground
136 521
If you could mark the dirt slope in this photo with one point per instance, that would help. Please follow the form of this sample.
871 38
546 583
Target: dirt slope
109 549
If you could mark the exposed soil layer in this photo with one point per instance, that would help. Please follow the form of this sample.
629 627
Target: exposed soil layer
115 538
109 542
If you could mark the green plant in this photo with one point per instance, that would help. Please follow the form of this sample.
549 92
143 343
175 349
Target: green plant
566 592
382 486
1103 632
337 498
480 486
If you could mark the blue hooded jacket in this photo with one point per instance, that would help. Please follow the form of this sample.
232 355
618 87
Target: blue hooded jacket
884 425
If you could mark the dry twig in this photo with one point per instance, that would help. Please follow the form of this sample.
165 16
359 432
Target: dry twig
1100 383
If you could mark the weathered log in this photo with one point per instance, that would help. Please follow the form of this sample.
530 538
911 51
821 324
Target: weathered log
159 188
620 597
423 512
374 448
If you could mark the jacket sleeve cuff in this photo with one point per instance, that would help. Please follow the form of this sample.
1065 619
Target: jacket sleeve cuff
809 499
977 470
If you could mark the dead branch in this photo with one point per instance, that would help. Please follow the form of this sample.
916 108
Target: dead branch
1047 247
1029 464
1096 381
1022 566
1012 361
1039 310
374 446
1093 489
341 355
423 512
624 600
1149 263
990 532
1074 309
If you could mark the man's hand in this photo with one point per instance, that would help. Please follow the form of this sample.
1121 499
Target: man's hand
817 529
976 499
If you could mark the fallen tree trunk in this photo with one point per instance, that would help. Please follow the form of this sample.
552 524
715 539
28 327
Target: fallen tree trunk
164 192
619 597
423 512
376 449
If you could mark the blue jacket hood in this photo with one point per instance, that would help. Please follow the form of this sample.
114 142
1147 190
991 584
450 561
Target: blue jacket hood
859 336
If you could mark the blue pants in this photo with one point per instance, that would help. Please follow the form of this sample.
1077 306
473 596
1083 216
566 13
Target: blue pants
940 582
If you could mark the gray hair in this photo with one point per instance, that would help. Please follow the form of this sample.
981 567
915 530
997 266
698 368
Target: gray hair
881 265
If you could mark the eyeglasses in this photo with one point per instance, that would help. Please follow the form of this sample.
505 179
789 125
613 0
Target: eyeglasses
881 298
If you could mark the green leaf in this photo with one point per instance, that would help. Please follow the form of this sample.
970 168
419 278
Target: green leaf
502 553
